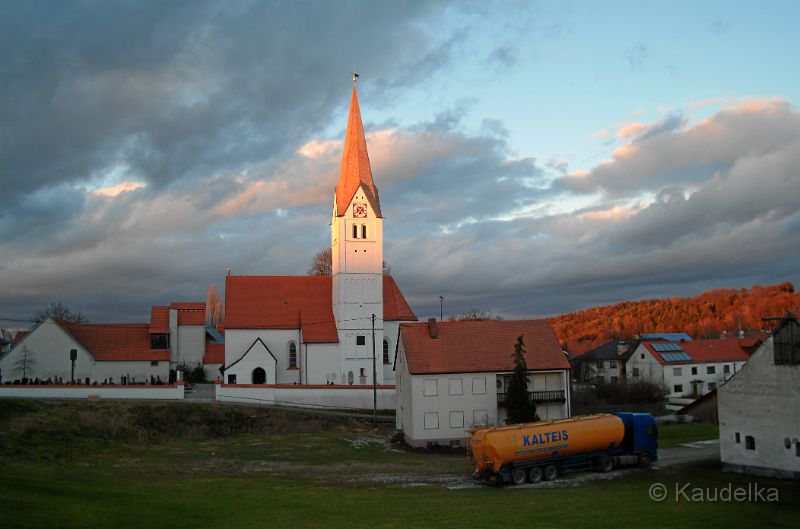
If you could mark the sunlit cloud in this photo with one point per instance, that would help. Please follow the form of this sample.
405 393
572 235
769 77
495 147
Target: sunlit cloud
122 187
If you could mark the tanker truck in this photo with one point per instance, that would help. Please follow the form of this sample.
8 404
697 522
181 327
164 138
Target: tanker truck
544 450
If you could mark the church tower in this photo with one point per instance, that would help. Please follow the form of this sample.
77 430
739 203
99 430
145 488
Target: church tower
357 257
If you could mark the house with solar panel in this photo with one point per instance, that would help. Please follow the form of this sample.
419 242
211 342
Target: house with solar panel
687 368
319 340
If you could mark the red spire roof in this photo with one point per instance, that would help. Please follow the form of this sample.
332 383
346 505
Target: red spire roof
355 171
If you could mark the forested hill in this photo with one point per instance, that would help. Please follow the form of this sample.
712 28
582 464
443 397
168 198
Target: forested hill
703 316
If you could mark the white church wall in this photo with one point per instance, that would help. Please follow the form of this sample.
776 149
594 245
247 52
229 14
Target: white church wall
238 341
320 363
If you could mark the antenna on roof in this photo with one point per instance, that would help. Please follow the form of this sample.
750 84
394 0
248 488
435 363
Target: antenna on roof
229 271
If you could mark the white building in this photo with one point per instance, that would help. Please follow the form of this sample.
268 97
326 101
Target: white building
113 353
759 409
310 330
690 368
452 376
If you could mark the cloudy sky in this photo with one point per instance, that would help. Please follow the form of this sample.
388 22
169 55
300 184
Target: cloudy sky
532 157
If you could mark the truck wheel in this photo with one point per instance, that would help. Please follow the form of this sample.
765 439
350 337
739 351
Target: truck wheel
606 464
644 459
518 476
550 472
535 475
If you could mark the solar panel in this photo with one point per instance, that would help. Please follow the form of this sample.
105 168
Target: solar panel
676 357
667 347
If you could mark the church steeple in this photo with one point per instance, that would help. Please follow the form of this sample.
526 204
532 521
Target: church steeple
355 170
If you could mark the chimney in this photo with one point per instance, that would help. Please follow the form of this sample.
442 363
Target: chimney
432 330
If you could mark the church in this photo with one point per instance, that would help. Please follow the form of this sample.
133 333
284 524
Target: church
317 330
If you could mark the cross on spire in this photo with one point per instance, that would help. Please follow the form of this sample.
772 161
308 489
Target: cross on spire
355 76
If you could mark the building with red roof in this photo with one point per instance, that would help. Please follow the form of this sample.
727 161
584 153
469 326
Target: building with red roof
453 375
322 330
688 368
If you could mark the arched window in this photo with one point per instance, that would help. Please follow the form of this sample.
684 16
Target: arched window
363 231
292 355
386 351
355 231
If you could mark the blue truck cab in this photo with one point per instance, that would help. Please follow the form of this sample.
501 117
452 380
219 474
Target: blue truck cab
641 436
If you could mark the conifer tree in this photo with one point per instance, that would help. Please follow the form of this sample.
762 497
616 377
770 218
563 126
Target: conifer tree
518 406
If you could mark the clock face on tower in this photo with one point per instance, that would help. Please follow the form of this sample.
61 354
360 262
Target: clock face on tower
360 211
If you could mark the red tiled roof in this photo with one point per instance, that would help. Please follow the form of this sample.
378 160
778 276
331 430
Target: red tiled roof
480 346
281 302
296 302
116 341
190 312
159 320
215 353
355 170
705 351
19 336
395 306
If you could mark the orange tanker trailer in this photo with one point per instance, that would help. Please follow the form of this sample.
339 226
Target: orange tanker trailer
538 450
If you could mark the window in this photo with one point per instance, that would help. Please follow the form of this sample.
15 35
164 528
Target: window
636 371
480 418
431 420
797 449
677 388
429 387
677 371
750 442
292 355
694 370
456 419
154 363
478 386
737 438
361 340
231 379
612 364
386 351
642 356
456 386
363 231
614 380
726 369
712 386
710 370
159 341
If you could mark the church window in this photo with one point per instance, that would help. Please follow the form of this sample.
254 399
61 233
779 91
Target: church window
361 340
363 231
386 351
292 355
355 231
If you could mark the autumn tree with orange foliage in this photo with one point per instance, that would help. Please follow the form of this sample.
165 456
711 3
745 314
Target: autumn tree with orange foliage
705 316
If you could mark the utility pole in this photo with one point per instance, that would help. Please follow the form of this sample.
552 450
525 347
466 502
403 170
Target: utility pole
374 378
441 308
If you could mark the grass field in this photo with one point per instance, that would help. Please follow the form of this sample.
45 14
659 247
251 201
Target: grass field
674 434
162 465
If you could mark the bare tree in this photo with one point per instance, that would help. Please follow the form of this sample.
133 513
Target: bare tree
475 314
59 311
215 314
25 362
321 264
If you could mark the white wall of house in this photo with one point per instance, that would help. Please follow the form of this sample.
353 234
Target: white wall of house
555 380
240 368
680 378
191 345
606 371
238 341
763 402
